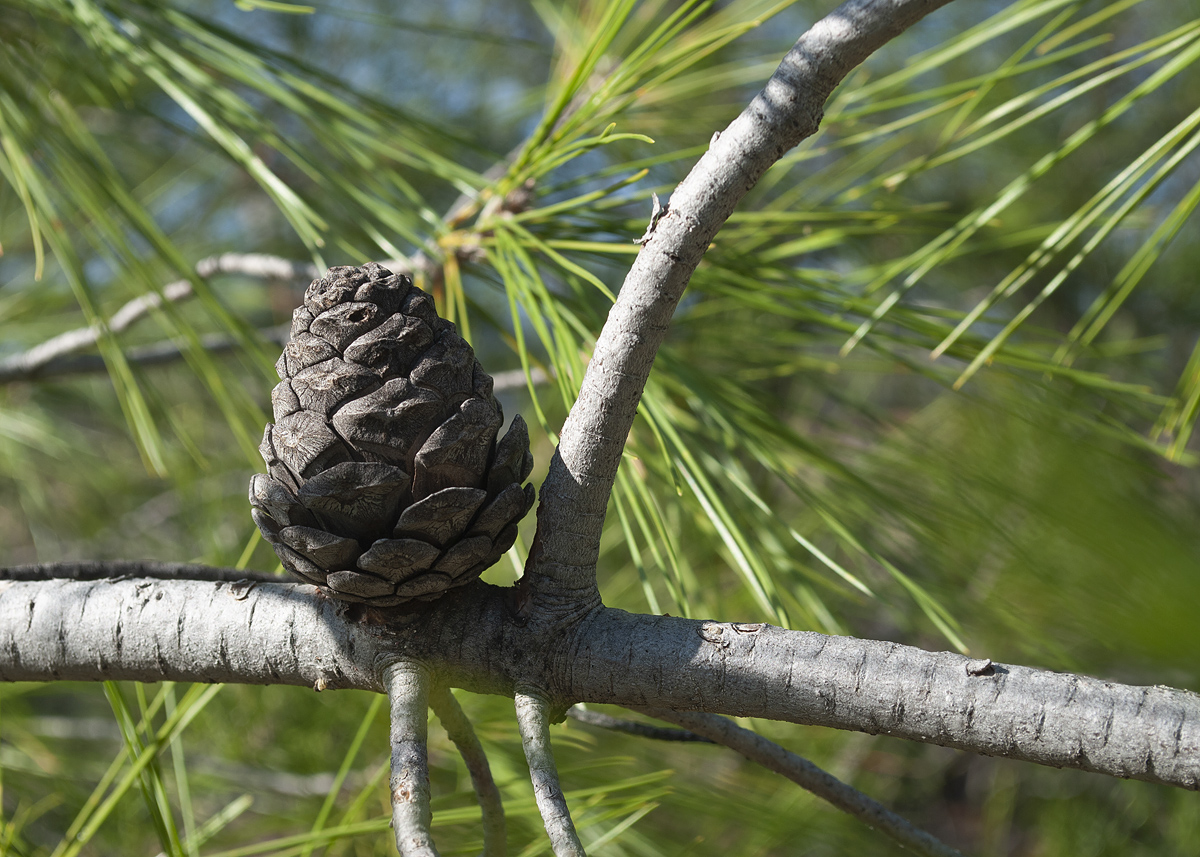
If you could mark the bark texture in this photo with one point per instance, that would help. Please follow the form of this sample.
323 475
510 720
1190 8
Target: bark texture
270 633
534 722
491 805
752 670
789 109
408 692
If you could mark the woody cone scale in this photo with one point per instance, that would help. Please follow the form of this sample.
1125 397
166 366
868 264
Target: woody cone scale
386 482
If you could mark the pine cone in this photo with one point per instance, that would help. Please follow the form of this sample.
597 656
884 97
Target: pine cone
386 480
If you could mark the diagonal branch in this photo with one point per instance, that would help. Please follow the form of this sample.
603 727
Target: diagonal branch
629 727
32 363
576 491
161 353
407 686
805 774
54 356
458 727
155 354
59 355
534 723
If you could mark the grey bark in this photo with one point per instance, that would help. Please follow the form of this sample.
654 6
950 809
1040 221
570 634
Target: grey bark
575 495
52 356
491 806
407 685
271 633
533 719
117 569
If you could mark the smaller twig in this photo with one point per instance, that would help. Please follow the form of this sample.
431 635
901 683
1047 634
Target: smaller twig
125 569
512 379
804 773
58 356
160 353
407 686
642 730
458 727
28 363
534 724
155 354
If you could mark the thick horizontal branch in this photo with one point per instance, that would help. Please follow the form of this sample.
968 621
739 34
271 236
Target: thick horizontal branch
119 569
754 670
269 633
789 109
146 629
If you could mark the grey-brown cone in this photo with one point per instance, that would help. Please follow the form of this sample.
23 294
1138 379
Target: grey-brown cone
385 479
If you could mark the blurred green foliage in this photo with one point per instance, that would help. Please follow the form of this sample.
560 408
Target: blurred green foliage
934 382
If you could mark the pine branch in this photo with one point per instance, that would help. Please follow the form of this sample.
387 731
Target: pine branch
58 356
272 633
34 362
575 494
533 721
156 354
162 353
454 720
408 692
721 730
630 727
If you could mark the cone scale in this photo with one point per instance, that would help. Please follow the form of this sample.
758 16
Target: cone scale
385 480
